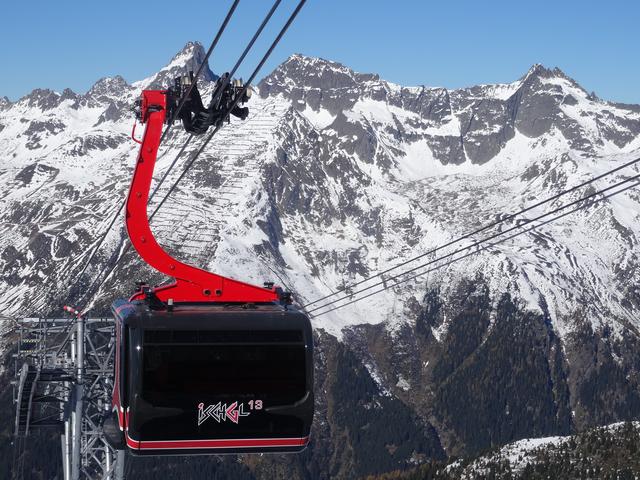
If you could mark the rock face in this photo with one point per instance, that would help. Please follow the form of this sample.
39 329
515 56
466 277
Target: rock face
338 175
471 124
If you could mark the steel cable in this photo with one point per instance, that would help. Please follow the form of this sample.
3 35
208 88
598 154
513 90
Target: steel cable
479 243
463 237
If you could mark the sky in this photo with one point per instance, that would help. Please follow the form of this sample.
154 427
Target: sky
73 43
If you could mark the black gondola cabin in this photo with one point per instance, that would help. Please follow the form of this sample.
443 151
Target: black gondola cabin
213 380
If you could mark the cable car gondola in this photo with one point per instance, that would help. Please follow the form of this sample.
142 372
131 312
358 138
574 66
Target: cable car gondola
206 364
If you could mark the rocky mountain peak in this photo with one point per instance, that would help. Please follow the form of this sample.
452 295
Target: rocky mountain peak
538 73
109 87
68 94
4 103
316 72
192 51
319 83
298 61
188 59
42 98
537 70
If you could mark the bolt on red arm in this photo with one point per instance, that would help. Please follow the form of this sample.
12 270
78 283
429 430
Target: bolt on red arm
191 284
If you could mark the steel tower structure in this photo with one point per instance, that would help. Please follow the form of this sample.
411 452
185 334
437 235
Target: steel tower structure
63 381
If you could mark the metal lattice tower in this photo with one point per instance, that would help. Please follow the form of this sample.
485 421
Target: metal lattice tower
64 380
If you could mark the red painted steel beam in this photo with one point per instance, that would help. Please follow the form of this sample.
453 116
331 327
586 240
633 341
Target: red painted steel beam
191 284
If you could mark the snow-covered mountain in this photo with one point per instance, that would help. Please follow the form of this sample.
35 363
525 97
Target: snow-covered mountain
337 175
602 452
598 453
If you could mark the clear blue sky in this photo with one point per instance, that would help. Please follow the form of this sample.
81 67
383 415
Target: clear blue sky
73 43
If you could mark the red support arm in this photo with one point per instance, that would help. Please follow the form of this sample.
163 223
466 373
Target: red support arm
191 284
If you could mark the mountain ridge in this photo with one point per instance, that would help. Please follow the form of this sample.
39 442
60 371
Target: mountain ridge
336 176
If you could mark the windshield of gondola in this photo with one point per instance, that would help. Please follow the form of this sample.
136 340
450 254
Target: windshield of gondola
223 364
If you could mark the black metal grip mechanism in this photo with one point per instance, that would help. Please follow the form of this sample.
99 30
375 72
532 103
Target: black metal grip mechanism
195 117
